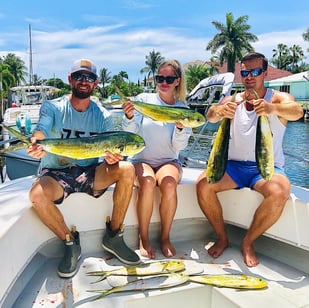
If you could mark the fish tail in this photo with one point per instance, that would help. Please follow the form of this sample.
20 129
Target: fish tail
17 134
102 274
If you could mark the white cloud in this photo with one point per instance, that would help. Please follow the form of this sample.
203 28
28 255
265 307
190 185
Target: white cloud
117 48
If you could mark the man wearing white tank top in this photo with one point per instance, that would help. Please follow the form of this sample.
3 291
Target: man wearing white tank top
244 110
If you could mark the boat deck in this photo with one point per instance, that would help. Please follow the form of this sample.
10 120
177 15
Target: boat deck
287 286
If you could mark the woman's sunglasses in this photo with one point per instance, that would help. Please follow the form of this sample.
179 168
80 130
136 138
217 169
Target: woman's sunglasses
168 79
84 76
254 72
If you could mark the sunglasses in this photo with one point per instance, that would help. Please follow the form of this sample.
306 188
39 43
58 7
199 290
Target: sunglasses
254 72
168 79
84 76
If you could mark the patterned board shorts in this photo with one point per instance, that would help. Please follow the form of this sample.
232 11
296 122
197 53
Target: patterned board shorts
74 179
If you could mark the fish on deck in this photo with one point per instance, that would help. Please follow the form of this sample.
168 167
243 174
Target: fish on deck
236 281
146 269
149 283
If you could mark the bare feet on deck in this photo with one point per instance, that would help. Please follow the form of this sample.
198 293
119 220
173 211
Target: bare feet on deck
217 248
249 255
167 248
146 250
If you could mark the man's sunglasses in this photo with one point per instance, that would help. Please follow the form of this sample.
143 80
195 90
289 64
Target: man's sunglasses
254 72
84 76
168 79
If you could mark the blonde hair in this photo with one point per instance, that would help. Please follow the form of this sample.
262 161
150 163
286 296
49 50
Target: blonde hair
180 90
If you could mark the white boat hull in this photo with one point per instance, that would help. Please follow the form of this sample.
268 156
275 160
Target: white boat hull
30 251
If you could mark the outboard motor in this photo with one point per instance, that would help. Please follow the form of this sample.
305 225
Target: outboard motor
23 123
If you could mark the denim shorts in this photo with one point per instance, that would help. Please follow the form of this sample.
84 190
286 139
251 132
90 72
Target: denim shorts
74 179
246 173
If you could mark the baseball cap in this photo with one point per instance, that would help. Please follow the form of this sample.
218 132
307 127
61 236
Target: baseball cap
84 65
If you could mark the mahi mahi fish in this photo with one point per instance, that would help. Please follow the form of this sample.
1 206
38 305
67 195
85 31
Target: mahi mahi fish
186 116
146 269
117 142
148 283
231 281
264 150
217 160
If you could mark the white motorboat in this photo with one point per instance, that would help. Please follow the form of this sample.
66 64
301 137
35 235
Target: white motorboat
30 252
22 115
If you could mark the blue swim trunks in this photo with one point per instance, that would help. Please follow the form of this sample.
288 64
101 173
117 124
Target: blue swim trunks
246 173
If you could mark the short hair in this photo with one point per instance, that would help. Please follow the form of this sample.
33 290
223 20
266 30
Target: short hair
256 55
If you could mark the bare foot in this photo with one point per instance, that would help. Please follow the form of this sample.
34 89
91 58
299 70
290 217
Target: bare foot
249 255
146 250
217 248
167 248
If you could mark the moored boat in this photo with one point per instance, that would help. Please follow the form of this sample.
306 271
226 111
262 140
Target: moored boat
30 252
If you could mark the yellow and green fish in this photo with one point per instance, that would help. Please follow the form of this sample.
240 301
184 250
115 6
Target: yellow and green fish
149 283
120 142
217 160
236 281
146 269
264 150
186 116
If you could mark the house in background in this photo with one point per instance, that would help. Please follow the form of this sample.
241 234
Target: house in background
296 84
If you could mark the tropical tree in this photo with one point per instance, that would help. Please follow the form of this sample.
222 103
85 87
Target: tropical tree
306 36
296 55
153 60
232 41
105 77
17 68
196 73
7 79
281 56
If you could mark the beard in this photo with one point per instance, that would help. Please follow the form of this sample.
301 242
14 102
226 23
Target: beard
81 94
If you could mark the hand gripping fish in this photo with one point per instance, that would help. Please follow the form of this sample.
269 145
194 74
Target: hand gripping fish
146 269
121 142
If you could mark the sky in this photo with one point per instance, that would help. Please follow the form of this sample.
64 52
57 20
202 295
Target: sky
118 34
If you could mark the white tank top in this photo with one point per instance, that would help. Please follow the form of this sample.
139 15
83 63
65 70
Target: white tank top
243 133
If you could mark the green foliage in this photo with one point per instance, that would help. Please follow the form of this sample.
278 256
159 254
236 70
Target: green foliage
232 40
198 72
289 58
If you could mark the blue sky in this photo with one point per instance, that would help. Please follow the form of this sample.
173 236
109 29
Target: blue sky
119 34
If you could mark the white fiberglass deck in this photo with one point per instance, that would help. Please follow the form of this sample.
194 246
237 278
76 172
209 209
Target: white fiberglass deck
287 286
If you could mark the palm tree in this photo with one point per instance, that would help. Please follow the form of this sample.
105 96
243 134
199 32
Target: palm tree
232 41
196 73
281 56
17 68
153 60
296 55
306 36
104 78
7 79
123 75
